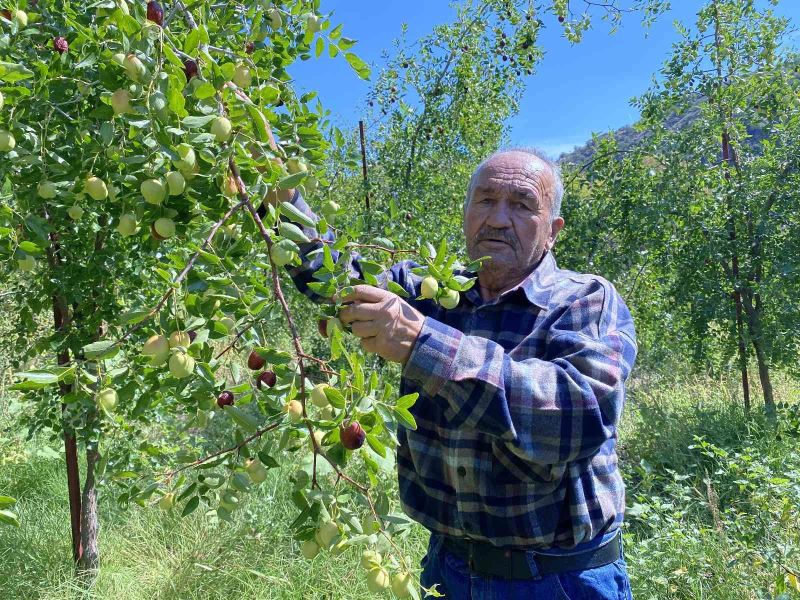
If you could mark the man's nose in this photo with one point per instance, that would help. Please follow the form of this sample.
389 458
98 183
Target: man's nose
500 216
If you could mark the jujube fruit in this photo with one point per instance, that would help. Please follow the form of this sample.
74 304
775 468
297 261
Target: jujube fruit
318 397
256 470
163 228
60 45
47 190
294 410
255 361
179 338
429 287
377 580
7 141
155 13
267 378
176 183
352 436
96 188
450 299
153 191
127 225
225 399
221 129
107 399
309 549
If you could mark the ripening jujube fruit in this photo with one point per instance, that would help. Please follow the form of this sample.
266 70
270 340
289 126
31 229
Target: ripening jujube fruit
47 190
256 470
176 183
96 188
107 399
163 228
179 338
318 397
127 225
121 101
294 409
449 299
221 129
7 141
429 287
153 191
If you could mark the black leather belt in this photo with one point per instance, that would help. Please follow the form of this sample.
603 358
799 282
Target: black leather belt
485 559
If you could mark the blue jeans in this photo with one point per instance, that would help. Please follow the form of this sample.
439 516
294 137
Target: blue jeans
609 582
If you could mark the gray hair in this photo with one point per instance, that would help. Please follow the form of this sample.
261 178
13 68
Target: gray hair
558 188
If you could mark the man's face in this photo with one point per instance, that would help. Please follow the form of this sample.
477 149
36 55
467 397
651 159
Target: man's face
508 217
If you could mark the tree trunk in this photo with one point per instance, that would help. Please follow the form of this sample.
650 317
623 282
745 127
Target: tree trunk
90 561
754 314
742 353
61 322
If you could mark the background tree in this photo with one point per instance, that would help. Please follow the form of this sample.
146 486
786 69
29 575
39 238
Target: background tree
703 211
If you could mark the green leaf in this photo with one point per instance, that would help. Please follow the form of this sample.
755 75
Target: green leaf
327 258
335 397
203 91
292 181
376 445
44 378
320 46
259 123
359 66
102 350
293 232
12 72
9 518
405 417
407 401
134 316
30 248
197 122
290 211
397 289
275 357
244 420
7 501
191 506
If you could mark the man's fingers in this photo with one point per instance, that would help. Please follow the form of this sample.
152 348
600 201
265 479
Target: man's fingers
364 329
365 293
359 311
370 344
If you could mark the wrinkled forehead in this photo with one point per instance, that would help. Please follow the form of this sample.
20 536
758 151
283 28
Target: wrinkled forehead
514 173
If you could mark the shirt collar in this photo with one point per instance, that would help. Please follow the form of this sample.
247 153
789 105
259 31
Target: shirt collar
536 287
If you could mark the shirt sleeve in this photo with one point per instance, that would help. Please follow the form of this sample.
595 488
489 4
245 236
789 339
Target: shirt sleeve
549 410
311 261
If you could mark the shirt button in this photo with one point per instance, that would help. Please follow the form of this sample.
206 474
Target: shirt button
461 471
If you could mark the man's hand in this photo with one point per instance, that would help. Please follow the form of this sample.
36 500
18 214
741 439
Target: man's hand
386 324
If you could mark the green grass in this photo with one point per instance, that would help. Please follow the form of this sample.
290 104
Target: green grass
727 538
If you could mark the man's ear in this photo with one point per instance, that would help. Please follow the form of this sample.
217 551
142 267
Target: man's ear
555 227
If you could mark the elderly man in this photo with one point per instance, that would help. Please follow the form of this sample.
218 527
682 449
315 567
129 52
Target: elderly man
513 466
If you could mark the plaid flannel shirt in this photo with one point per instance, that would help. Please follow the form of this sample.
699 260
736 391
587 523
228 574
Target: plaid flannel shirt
519 403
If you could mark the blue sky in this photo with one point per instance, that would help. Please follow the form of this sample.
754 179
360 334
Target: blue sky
576 90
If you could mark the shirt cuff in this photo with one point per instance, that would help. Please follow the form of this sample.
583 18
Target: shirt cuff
433 356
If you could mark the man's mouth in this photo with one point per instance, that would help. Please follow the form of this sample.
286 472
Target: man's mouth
494 241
